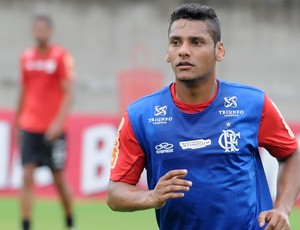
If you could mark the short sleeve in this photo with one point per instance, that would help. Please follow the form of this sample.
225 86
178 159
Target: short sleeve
66 67
128 159
274 133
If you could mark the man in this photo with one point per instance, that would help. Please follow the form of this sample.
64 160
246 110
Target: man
198 139
44 103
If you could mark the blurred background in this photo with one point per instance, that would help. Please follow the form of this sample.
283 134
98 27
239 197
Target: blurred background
261 37
112 40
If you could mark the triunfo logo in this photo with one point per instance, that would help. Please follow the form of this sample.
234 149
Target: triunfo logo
231 102
228 140
49 66
160 110
164 147
231 113
195 144
160 118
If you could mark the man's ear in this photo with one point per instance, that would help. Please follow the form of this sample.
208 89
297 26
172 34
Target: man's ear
220 51
167 58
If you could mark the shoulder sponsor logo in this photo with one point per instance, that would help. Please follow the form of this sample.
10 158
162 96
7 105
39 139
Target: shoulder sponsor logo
230 103
160 110
231 113
228 140
195 144
161 118
164 147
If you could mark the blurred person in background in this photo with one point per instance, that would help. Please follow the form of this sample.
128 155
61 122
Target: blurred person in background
198 139
47 72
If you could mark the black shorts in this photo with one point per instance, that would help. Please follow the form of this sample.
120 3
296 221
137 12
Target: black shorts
36 150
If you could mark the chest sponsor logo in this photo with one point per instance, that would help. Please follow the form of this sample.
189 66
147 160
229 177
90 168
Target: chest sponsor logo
195 144
229 140
230 103
161 118
164 147
49 66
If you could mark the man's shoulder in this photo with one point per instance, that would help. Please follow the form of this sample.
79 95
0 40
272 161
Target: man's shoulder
240 87
58 50
28 53
150 97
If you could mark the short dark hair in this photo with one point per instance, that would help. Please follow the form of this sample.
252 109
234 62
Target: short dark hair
43 17
194 11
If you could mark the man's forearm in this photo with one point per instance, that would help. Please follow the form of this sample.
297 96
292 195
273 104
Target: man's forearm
64 109
288 183
56 127
19 106
127 198
65 105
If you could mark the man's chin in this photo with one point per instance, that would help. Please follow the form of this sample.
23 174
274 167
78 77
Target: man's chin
191 81
185 79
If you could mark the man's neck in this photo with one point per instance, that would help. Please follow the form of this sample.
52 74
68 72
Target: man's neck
43 48
196 93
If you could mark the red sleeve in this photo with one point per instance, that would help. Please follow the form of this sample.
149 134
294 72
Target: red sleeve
66 67
274 133
128 160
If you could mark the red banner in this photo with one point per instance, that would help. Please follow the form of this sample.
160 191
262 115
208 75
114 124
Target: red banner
90 143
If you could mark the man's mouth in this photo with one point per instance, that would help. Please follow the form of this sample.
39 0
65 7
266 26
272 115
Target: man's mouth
184 64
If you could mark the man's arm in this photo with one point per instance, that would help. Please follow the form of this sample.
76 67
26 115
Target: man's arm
20 100
56 127
276 136
66 71
125 197
288 190
288 182
18 112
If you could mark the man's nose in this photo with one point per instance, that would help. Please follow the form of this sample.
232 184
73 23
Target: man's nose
184 50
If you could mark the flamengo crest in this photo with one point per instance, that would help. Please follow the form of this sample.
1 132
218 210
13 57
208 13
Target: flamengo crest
228 140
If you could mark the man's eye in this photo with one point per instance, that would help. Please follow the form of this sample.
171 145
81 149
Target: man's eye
196 42
174 42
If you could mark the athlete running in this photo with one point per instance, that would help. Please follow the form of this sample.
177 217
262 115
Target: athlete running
198 140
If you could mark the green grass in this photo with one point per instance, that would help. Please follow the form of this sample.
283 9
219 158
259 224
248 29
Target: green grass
90 215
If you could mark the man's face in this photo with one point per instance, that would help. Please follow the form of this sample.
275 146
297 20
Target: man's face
41 32
191 51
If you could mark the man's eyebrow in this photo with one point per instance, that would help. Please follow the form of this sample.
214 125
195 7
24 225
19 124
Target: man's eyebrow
174 37
197 38
190 38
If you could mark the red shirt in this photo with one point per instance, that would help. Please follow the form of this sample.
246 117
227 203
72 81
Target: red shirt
42 76
129 160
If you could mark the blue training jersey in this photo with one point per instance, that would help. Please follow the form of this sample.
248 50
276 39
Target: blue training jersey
218 147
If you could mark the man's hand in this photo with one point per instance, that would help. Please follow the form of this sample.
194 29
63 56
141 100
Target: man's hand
53 132
170 186
275 218
126 197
